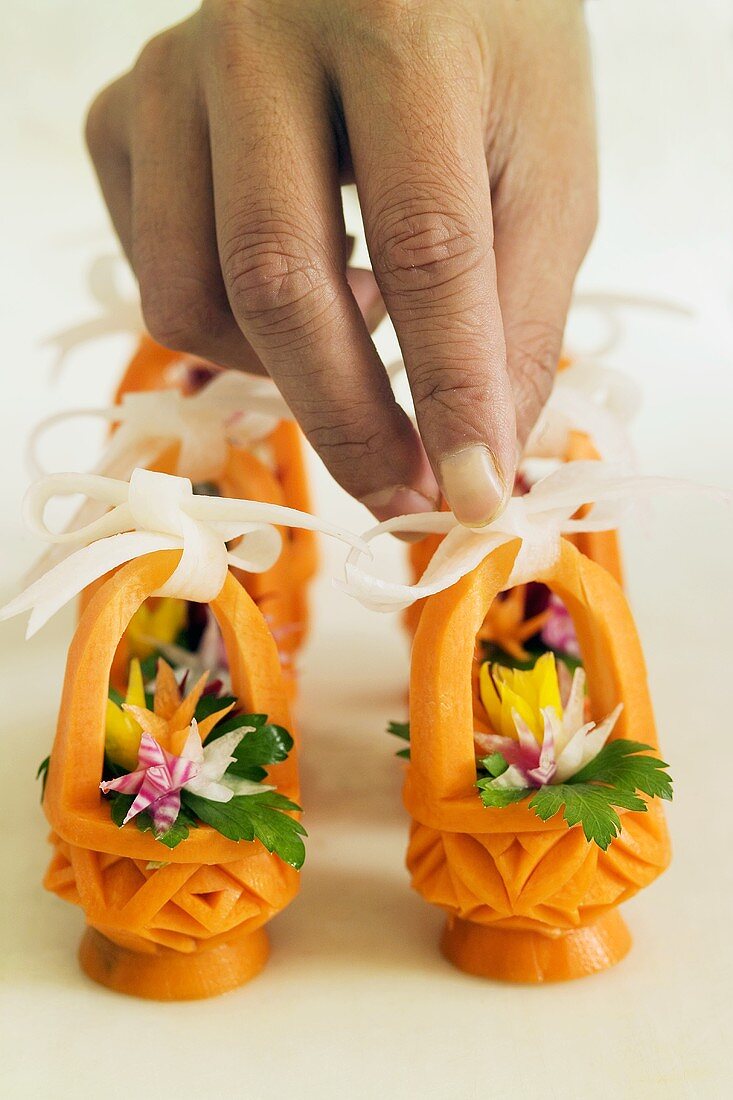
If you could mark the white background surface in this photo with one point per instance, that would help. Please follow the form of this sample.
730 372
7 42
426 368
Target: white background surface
356 1002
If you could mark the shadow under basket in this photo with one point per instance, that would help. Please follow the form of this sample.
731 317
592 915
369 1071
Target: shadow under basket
527 900
169 924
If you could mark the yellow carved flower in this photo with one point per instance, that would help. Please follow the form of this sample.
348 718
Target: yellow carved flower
505 691
157 620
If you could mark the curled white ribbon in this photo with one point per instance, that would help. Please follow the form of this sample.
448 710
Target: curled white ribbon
589 397
117 313
539 519
151 512
232 409
592 399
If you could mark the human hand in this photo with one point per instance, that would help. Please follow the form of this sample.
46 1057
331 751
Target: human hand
468 128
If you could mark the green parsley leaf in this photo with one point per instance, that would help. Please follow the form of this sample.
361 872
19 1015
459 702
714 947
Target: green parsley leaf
235 722
619 764
119 805
149 667
179 830
209 704
268 744
42 774
499 797
588 804
496 655
495 764
591 797
260 816
401 730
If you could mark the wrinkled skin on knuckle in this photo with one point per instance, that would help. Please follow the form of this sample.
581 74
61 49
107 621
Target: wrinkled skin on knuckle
534 351
274 282
398 34
158 60
424 248
219 16
448 385
346 439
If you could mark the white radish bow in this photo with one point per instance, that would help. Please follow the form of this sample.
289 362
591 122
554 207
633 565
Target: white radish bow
232 409
539 519
117 313
593 399
155 512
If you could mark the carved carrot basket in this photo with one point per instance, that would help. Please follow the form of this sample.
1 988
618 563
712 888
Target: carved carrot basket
528 900
178 924
172 808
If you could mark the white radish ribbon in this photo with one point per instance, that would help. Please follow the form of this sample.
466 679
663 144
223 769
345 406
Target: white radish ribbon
152 512
592 399
539 519
232 409
117 313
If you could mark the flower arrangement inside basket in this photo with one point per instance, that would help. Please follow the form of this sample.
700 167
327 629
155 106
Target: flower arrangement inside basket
534 737
187 635
178 755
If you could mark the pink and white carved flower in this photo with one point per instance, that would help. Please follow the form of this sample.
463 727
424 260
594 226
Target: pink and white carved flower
160 776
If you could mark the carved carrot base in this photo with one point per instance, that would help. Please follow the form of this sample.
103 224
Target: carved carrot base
168 975
517 955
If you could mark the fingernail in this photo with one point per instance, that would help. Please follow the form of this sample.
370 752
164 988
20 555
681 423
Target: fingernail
399 500
473 486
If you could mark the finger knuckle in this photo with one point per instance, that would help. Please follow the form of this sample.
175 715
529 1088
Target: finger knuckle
449 384
98 122
424 249
179 314
533 351
404 38
348 438
274 280
381 13
157 57
219 14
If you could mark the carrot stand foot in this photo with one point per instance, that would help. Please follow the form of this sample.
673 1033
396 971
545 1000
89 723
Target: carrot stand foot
168 975
531 957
